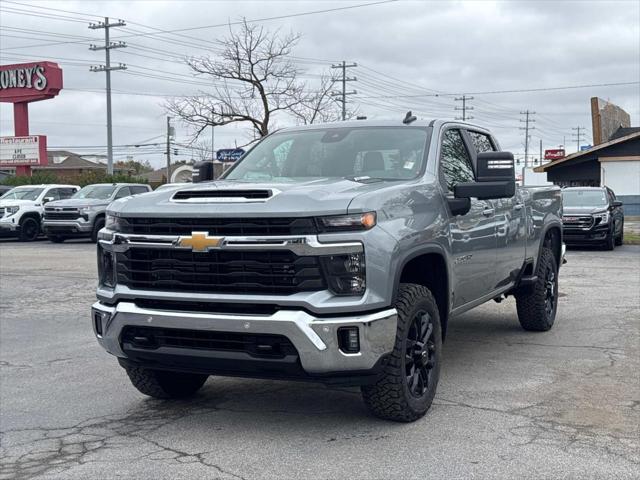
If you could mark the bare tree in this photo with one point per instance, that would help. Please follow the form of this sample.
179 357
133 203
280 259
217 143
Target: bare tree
319 105
253 79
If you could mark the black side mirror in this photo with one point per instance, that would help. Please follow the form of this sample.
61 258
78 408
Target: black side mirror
495 178
616 203
47 199
202 172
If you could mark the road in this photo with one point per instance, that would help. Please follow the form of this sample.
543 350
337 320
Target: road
510 404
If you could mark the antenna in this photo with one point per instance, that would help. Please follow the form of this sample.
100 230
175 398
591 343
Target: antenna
409 118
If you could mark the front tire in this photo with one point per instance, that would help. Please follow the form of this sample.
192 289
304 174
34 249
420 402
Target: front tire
620 238
405 390
537 307
29 229
163 384
609 243
97 226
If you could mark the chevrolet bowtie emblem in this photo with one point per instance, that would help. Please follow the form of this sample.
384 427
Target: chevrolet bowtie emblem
199 241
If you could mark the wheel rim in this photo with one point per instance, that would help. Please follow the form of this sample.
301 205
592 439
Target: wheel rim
30 229
550 293
420 354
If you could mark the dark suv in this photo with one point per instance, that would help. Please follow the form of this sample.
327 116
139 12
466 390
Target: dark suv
592 215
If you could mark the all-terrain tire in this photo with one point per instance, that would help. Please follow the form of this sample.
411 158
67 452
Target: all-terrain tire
398 394
29 229
610 242
537 307
97 226
56 238
164 384
620 238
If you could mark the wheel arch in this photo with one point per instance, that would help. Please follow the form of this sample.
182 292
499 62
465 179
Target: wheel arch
428 266
552 237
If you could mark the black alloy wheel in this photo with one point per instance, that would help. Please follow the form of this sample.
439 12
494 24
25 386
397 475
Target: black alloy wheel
551 293
29 229
419 357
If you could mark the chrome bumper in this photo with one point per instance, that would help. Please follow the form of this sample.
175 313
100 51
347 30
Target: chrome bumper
71 224
316 339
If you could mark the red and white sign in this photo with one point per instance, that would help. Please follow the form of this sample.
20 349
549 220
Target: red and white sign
19 151
29 82
554 154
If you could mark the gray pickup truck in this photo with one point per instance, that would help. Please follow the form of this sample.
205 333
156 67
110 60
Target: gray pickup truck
334 253
83 214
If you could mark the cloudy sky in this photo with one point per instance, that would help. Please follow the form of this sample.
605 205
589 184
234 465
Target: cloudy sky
511 56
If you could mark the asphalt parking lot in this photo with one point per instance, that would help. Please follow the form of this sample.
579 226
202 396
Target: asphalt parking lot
510 404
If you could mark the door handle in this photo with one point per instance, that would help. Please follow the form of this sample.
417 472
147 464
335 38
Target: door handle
518 206
488 212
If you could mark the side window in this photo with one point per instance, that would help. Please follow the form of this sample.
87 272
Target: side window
455 163
66 193
137 190
54 193
123 192
482 142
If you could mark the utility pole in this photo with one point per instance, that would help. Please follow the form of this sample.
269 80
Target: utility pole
527 121
464 107
540 158
170 133
578 136
213 147
108 45
344 65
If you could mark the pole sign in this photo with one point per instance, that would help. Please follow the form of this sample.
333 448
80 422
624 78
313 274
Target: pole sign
22 84
585 147
229 154
554 154
19 151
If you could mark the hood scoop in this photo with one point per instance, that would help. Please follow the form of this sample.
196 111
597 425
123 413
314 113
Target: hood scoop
224 196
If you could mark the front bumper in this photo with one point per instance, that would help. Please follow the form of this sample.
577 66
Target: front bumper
315 338
67 226
8 225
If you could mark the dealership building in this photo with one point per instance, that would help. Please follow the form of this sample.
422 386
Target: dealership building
614 163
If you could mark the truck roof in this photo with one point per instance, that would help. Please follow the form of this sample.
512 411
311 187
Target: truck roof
381 123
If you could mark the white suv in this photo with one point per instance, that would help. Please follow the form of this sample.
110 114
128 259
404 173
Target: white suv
21 208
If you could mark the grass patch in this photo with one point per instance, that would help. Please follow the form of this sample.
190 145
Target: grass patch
631 238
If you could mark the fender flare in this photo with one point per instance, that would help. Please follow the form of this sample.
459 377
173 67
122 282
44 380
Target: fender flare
552 224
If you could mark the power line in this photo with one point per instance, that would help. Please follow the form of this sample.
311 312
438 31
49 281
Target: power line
343 66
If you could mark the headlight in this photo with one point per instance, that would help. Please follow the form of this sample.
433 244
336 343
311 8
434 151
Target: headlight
11 210
600 218
348 223
106 267
345 274
113 223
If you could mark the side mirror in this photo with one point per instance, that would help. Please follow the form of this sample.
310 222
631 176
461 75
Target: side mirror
616 203
495 178
47 199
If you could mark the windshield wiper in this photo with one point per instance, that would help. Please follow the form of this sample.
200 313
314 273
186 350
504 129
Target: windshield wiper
365 179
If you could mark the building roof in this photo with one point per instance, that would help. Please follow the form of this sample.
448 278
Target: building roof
573 156
623 132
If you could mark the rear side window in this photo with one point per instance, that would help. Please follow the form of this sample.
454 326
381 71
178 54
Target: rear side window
455 163
136 190
123 192
482 142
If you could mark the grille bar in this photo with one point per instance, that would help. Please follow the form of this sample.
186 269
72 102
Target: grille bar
577 221
219 226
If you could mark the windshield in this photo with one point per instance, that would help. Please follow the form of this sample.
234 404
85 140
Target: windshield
388 153
101 192
584 198
22 194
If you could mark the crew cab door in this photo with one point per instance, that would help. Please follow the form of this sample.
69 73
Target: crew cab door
472 236
510 219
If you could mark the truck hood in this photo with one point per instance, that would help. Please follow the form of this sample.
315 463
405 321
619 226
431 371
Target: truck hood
8 202
582 210
327 196
78 202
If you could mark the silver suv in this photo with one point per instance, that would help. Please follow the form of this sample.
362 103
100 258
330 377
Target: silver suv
83 214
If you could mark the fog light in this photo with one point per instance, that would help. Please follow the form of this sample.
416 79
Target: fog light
345 274
349 339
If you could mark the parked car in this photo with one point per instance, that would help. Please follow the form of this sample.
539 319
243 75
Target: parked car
592 215
332 253
83 214
21 208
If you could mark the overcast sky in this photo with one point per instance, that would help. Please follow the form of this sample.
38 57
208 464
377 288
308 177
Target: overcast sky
405 51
